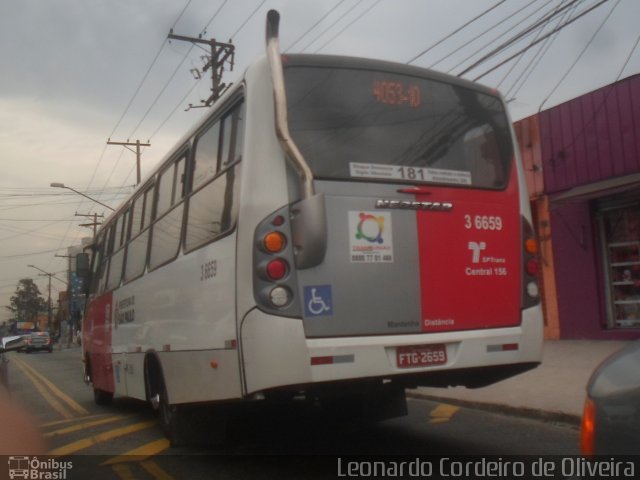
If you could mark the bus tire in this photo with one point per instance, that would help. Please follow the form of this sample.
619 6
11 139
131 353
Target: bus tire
102 397
173 420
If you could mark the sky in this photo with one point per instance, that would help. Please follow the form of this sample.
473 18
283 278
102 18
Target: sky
75 73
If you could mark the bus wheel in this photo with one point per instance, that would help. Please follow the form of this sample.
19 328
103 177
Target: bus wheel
173 419
102 397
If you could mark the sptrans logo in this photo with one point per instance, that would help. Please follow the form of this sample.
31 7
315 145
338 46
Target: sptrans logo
38 469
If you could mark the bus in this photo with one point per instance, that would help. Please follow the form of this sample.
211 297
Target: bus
337 229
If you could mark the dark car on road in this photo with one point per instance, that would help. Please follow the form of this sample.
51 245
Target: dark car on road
39 341
611 418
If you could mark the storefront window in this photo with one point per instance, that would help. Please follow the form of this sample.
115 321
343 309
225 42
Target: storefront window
620 230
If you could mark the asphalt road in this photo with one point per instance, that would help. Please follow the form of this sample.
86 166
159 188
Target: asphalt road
125 441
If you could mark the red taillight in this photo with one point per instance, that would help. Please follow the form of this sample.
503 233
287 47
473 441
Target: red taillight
533 267
276 269
277 221
274 262
588 428
530 266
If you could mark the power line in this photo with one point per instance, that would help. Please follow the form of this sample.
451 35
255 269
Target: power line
486 45
358 2
586 47
247 19
340 2
517 37
604 99
524 76
371 7
520 52
144 77
425 51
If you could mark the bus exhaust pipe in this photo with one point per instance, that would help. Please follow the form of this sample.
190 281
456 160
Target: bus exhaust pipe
309 223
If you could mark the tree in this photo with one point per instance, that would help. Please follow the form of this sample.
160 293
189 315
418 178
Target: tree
27 301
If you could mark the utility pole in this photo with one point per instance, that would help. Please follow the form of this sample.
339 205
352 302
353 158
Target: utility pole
128 144
93 224
220 53
49 309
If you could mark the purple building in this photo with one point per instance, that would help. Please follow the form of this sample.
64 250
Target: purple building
583 156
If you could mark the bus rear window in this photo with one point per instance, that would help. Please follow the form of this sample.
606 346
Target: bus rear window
368 125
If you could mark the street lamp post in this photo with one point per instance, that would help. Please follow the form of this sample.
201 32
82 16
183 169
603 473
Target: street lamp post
62 185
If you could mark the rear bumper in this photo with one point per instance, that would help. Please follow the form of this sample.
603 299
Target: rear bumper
276 354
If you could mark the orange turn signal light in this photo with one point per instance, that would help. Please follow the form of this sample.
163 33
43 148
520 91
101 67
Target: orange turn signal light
531 246
274 242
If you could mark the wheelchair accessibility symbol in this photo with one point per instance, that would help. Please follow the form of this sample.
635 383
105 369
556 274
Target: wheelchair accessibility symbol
318 301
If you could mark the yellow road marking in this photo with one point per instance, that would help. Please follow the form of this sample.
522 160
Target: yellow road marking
155 471
124 472
83 425
101 437
443 413
141 453
55 404
55 390
55 423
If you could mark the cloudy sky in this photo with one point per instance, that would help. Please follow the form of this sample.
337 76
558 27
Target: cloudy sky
74 73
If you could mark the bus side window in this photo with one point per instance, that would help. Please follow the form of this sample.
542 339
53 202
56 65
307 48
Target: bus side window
96 264
104 263
117 257
206 156
212 209
137 248
166 231
233 130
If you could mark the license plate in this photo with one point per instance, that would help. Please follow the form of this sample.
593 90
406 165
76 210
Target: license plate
421 355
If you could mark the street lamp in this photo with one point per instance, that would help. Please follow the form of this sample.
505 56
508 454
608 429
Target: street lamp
62 185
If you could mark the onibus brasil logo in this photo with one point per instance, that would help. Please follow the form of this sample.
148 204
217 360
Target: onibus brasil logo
38 469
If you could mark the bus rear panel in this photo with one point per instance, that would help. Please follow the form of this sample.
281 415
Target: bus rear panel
426 273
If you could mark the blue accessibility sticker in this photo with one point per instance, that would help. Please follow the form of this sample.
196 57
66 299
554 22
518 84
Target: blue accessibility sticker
318 301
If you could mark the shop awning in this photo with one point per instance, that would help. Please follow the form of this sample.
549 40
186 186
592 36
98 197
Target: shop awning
609 186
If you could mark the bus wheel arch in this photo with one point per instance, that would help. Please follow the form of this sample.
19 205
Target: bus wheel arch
153 379
86 370
171 416
100 397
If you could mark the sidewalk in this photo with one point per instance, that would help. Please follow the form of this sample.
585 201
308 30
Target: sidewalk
554 390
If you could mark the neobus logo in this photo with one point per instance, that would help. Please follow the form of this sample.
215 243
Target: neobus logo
412 205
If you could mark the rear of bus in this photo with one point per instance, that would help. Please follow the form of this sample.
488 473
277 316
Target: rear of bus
426 274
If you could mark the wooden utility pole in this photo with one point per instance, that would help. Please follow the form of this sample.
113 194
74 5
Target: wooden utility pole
128 144
220 53
93 224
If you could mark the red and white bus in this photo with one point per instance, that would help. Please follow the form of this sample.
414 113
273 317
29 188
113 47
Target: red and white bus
338 228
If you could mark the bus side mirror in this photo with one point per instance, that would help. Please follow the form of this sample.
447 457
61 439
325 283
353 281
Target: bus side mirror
82 265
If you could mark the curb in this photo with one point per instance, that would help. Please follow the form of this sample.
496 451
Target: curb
522 412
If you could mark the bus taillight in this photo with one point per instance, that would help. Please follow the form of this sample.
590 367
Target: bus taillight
276 269
274 266
274 242
280 296
531 266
